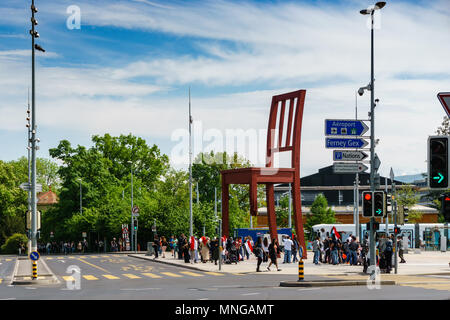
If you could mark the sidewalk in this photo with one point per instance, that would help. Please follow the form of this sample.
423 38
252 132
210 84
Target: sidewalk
427 262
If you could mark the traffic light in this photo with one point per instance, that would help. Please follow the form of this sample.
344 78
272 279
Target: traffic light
135 225
438 162
367 203
380 203
445 207
405 214
397 230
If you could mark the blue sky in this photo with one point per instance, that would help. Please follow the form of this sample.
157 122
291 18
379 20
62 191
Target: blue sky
129 67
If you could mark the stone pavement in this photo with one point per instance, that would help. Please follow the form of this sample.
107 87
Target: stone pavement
427 262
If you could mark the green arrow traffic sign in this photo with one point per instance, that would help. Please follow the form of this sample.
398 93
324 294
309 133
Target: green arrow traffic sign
379 212
440 177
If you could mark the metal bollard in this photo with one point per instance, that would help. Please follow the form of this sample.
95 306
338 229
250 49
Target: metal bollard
34 270
301 275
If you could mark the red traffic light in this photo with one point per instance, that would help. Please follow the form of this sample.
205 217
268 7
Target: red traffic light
368 196
447 199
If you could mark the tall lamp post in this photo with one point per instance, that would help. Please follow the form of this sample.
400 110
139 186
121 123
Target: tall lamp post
371 87
81 197
34 34
133 235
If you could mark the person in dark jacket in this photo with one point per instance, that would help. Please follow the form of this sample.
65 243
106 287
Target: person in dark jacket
258 251
274 249
215 250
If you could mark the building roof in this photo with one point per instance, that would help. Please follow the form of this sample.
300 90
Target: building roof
47 198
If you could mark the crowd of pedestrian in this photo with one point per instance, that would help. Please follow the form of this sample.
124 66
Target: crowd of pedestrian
71 247
332 249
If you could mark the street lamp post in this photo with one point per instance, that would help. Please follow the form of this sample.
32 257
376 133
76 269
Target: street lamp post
191 231
378 6
34 34
81 198
133 235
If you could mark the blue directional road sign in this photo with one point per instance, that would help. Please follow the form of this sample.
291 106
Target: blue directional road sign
345 127
342 143
34 256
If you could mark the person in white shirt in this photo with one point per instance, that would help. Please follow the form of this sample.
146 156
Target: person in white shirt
287 249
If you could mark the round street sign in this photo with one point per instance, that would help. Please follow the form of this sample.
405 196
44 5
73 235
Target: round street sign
34 256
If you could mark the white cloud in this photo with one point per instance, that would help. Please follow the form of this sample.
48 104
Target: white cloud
280 46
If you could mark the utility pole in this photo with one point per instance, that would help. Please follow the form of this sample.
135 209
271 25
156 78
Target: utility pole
378 6
34 148
191 232
29 162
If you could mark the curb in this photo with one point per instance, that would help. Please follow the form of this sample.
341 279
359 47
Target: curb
331 283
42 278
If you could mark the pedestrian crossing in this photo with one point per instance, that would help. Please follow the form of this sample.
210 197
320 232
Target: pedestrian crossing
144 275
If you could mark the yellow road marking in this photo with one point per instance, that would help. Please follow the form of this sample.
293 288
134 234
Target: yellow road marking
170 274
68 278
89 277
94 256
92 265
84 257
48 258
60 258
152 275
8 260
131 276
215 273
1 280
191 274
110 277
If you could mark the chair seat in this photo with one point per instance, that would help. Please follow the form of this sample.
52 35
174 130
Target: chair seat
258 175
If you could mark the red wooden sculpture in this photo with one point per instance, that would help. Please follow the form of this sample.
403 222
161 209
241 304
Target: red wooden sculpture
288 105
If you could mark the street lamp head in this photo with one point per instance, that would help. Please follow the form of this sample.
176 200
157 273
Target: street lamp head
34 9
380 5
39 48
361 91
365 11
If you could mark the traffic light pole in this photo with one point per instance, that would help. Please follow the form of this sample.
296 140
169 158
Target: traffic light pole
372 148
394 207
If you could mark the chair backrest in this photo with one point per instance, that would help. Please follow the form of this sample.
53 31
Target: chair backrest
285 126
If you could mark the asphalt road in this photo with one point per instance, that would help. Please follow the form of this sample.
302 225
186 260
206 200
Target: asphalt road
119 277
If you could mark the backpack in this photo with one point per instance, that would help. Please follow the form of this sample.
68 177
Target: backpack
388 247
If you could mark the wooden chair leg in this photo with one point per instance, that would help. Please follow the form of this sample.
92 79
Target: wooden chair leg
225 216
271 211
298 219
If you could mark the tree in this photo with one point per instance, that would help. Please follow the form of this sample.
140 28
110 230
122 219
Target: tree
407 197
320 213
13 200
444 129
104 171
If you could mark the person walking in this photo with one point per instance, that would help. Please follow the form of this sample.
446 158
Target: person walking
156 245
172 245
400 249
164 246
273 252
193 245
316 250
266 250
353 248
287 249
295 247
215 250
258 251
204 248
334 250
388 250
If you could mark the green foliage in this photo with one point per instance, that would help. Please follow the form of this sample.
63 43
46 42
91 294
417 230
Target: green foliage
13 243
407 196
320 213
105 172
13 200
